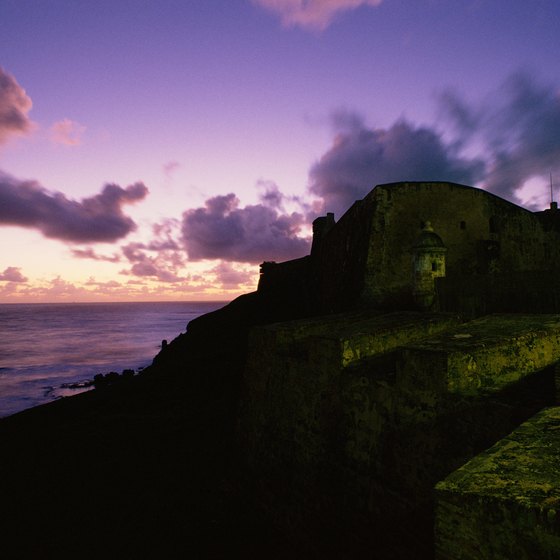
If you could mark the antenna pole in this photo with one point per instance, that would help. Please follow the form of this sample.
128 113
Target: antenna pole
551 195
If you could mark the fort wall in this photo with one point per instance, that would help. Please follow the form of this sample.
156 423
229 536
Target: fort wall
357 415
505 502
535 291
361 414
482 233
338 266
366 258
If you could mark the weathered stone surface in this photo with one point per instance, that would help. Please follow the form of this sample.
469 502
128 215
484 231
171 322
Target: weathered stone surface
359 408
505 503
367 255
350 337
481 356
293 372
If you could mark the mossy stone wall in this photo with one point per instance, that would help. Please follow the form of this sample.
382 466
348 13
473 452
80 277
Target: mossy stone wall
367 256
505 503
361 414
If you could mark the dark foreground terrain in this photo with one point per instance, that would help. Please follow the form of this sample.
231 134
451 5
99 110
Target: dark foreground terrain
140 469
148 467
136 471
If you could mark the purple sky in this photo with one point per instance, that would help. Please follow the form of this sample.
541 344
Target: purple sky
161 150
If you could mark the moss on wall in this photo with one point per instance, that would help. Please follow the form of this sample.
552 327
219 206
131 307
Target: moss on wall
360 414
505 503
481 356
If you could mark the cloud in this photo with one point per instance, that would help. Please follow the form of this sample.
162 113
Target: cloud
363 157
271 197
95 219
170 168
12 274
89 253
165 234
14 106
311 14
109 285
223 230
133 252
231 277
67 132
508 143
133 289
58 287
518 128
144 269
162 267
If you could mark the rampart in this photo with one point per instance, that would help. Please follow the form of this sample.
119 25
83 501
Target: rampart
505 502
365 259
359 415
348 420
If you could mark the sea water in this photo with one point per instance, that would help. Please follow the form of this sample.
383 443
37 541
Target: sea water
46 348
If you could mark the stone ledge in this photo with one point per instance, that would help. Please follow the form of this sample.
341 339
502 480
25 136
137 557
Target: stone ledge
346 338
484 355
505 503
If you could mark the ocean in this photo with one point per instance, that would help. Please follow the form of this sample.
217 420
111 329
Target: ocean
46 349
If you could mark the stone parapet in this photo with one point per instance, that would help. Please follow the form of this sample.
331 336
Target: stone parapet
505 503
360 414
482 356
292 381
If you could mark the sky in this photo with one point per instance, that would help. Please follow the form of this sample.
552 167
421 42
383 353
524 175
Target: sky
163 150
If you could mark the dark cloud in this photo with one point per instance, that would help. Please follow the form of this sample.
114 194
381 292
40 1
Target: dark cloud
511 137
144 269
134 252
14 106
12 274
95 219
270 195
150 269
518 128
463 119
363 157
223 230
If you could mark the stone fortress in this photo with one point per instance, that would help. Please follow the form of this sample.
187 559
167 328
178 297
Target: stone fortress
417 392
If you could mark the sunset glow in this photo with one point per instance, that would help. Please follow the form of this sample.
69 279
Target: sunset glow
161 151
